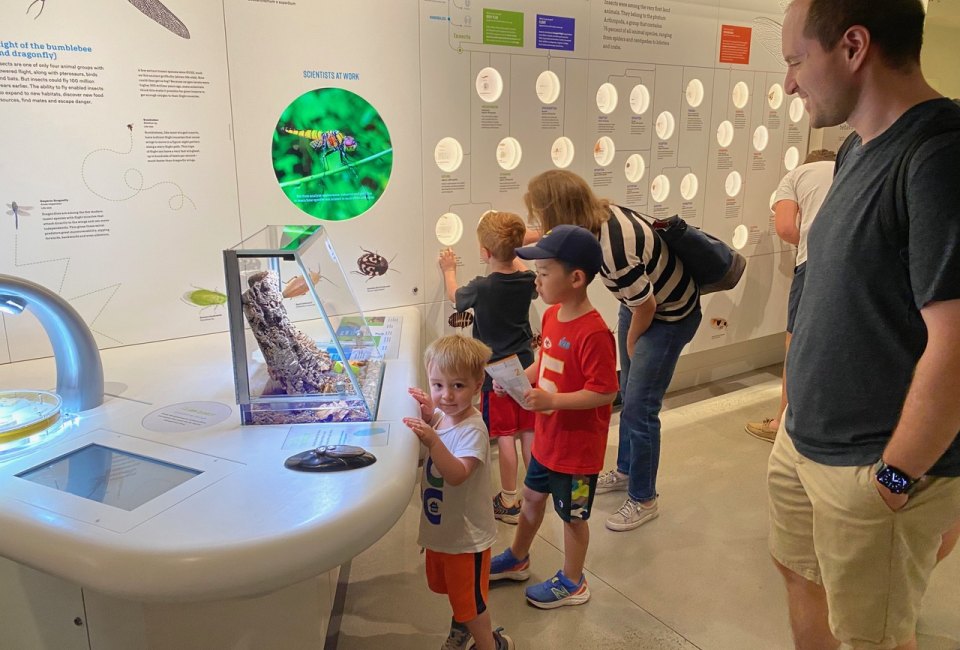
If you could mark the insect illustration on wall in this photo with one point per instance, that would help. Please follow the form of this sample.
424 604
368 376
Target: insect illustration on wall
768 32
536 341
460 319
297 285
152 9
205 299
101 177
373 265
16 211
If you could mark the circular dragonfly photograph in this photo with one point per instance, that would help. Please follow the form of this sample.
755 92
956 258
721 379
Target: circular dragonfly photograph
332 154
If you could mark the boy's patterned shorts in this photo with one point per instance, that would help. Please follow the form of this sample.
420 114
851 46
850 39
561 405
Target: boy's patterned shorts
572 493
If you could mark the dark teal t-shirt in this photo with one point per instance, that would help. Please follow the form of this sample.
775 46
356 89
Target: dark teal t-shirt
859 332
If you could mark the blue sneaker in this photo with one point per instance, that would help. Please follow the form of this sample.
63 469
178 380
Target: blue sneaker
506 567
558 591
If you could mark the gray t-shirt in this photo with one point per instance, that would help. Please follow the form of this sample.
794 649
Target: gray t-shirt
859 332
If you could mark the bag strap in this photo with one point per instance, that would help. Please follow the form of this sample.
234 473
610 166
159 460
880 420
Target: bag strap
646 218
658 226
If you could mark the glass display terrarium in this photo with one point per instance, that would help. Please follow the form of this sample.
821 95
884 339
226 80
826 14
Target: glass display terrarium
302 349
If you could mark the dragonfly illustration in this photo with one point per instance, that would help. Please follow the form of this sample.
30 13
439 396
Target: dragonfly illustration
16 211
152 9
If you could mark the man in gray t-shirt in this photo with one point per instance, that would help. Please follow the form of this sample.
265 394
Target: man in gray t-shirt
865 484
860 329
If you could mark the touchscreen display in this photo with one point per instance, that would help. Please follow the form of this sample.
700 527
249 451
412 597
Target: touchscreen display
110 476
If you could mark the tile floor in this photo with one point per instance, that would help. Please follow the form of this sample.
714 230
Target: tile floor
697 577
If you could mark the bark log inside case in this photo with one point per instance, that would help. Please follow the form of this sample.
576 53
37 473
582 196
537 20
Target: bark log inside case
293 360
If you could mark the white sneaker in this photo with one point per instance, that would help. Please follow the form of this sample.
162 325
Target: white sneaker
632 514
612 481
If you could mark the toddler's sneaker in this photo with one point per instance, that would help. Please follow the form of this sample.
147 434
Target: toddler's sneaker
506 567
632 514
503 641
612 481
459 637
558 591
503 512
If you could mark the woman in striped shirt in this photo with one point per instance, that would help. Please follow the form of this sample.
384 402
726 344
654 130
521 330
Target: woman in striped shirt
659 314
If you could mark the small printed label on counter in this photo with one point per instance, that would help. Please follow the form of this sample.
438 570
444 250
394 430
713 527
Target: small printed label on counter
186 416
359 434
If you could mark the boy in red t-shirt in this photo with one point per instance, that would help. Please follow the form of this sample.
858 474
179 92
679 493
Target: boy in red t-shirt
576 381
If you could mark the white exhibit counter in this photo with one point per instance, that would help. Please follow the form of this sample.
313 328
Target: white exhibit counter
239 527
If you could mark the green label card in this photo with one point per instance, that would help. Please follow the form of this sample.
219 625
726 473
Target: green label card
502 27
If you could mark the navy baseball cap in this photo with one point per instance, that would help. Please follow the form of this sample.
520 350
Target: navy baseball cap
574 245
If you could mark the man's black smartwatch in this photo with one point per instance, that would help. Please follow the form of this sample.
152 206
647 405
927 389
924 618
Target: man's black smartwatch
895 480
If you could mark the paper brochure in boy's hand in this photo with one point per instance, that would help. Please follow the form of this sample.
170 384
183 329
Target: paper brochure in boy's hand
509 374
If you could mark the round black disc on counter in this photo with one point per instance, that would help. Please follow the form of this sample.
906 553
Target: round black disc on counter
332 458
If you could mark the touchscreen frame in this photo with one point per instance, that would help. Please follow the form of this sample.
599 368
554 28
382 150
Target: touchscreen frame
73 507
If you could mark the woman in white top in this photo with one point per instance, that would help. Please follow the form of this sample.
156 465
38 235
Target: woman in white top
796 204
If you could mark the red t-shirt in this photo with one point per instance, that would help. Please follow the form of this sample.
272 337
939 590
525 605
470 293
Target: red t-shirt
575 355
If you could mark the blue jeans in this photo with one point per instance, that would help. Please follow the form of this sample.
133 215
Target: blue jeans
643 383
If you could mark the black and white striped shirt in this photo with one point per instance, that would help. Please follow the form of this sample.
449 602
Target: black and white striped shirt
636 263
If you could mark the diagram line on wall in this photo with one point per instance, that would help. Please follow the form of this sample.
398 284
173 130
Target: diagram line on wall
59 290
115 288
510 97
233 141
563 122
16 261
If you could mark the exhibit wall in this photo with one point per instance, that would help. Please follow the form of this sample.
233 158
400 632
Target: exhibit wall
940 37
141 139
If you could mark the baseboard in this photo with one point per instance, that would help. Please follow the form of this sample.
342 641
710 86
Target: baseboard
711 365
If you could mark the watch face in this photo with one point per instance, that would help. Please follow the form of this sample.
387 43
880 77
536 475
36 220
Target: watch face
893 480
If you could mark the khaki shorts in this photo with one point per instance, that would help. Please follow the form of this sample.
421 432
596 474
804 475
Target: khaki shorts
831 526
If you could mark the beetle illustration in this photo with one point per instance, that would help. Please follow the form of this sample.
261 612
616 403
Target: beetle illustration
152 9
718 323
536 341
460 319
373 264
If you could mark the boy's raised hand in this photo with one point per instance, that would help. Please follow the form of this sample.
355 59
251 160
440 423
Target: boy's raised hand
447 260
426 404
427 434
